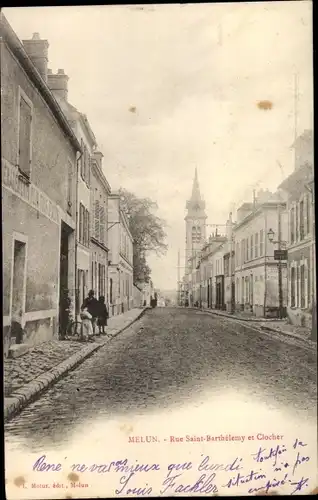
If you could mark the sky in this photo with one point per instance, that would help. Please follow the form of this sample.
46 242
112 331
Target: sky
167 88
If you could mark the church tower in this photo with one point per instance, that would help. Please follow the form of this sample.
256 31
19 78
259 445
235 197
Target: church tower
195 221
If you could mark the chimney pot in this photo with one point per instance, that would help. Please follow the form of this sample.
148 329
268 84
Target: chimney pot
49 72
37 50
58 84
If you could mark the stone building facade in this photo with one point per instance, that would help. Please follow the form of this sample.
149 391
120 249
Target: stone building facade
299 187
39 154
120 258
256 271
100 191
78 121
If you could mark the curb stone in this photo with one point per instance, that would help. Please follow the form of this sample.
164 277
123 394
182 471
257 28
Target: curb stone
262 327
28 393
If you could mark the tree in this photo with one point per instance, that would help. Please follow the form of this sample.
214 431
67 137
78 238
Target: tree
147 229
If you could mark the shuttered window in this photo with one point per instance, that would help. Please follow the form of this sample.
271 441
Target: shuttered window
102 224
256 245
302 286
96 219
83 160
308 214
292 225
301 220
25 137
261 242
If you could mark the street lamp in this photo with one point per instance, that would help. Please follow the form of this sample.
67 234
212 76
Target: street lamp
279 242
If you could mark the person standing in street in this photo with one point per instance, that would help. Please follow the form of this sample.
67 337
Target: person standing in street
102 315
91 304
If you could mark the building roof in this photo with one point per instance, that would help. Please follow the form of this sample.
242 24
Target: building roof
305 137
303 175
11 39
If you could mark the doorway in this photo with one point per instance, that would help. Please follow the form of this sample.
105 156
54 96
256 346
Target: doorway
18 289
64 279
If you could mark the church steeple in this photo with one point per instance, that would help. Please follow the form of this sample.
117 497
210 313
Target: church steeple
195 222
196 205
196 195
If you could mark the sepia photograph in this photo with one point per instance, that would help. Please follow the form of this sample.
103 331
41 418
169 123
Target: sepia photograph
159 259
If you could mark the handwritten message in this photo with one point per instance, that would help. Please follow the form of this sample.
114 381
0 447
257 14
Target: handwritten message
273 467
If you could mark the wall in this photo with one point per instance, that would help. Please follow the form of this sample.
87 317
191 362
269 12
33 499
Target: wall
34 210
51 151
260 273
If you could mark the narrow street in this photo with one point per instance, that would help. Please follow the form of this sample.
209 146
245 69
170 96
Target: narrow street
169 359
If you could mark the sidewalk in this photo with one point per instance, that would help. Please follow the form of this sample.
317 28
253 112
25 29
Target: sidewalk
276 325
27 376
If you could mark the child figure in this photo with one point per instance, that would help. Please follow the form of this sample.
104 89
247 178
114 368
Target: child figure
102 315
86 318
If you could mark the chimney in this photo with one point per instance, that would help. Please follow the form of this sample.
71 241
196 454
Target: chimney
58 83
98 156
37 51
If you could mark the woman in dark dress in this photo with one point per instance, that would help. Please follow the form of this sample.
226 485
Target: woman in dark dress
102 315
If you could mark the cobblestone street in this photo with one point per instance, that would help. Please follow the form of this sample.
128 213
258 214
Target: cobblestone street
164 360
42 358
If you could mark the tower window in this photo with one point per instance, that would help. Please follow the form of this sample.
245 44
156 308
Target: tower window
196 234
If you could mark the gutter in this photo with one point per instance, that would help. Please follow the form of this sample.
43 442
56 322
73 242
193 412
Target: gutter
11 39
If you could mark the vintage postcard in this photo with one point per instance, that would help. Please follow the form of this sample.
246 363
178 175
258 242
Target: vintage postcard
159 273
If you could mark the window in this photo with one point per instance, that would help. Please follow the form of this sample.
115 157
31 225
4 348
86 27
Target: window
93 281
256 245
308 214
85 163
297 223
25 120
302 286
301 220
297 285
102 224
237 251
111 290
242 251
261 242
247 248
292 225
83 226
242 290
252 247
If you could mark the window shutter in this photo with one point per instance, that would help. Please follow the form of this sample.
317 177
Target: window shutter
102 223
82 159
86 165
96 217
85 227
25 137
81 223
89 162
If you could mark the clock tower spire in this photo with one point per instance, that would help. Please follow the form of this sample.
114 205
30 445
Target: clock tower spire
195 220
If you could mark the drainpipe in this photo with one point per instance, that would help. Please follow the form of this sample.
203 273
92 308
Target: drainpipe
76 234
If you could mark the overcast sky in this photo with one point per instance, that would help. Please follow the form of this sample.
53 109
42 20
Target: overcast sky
194 74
